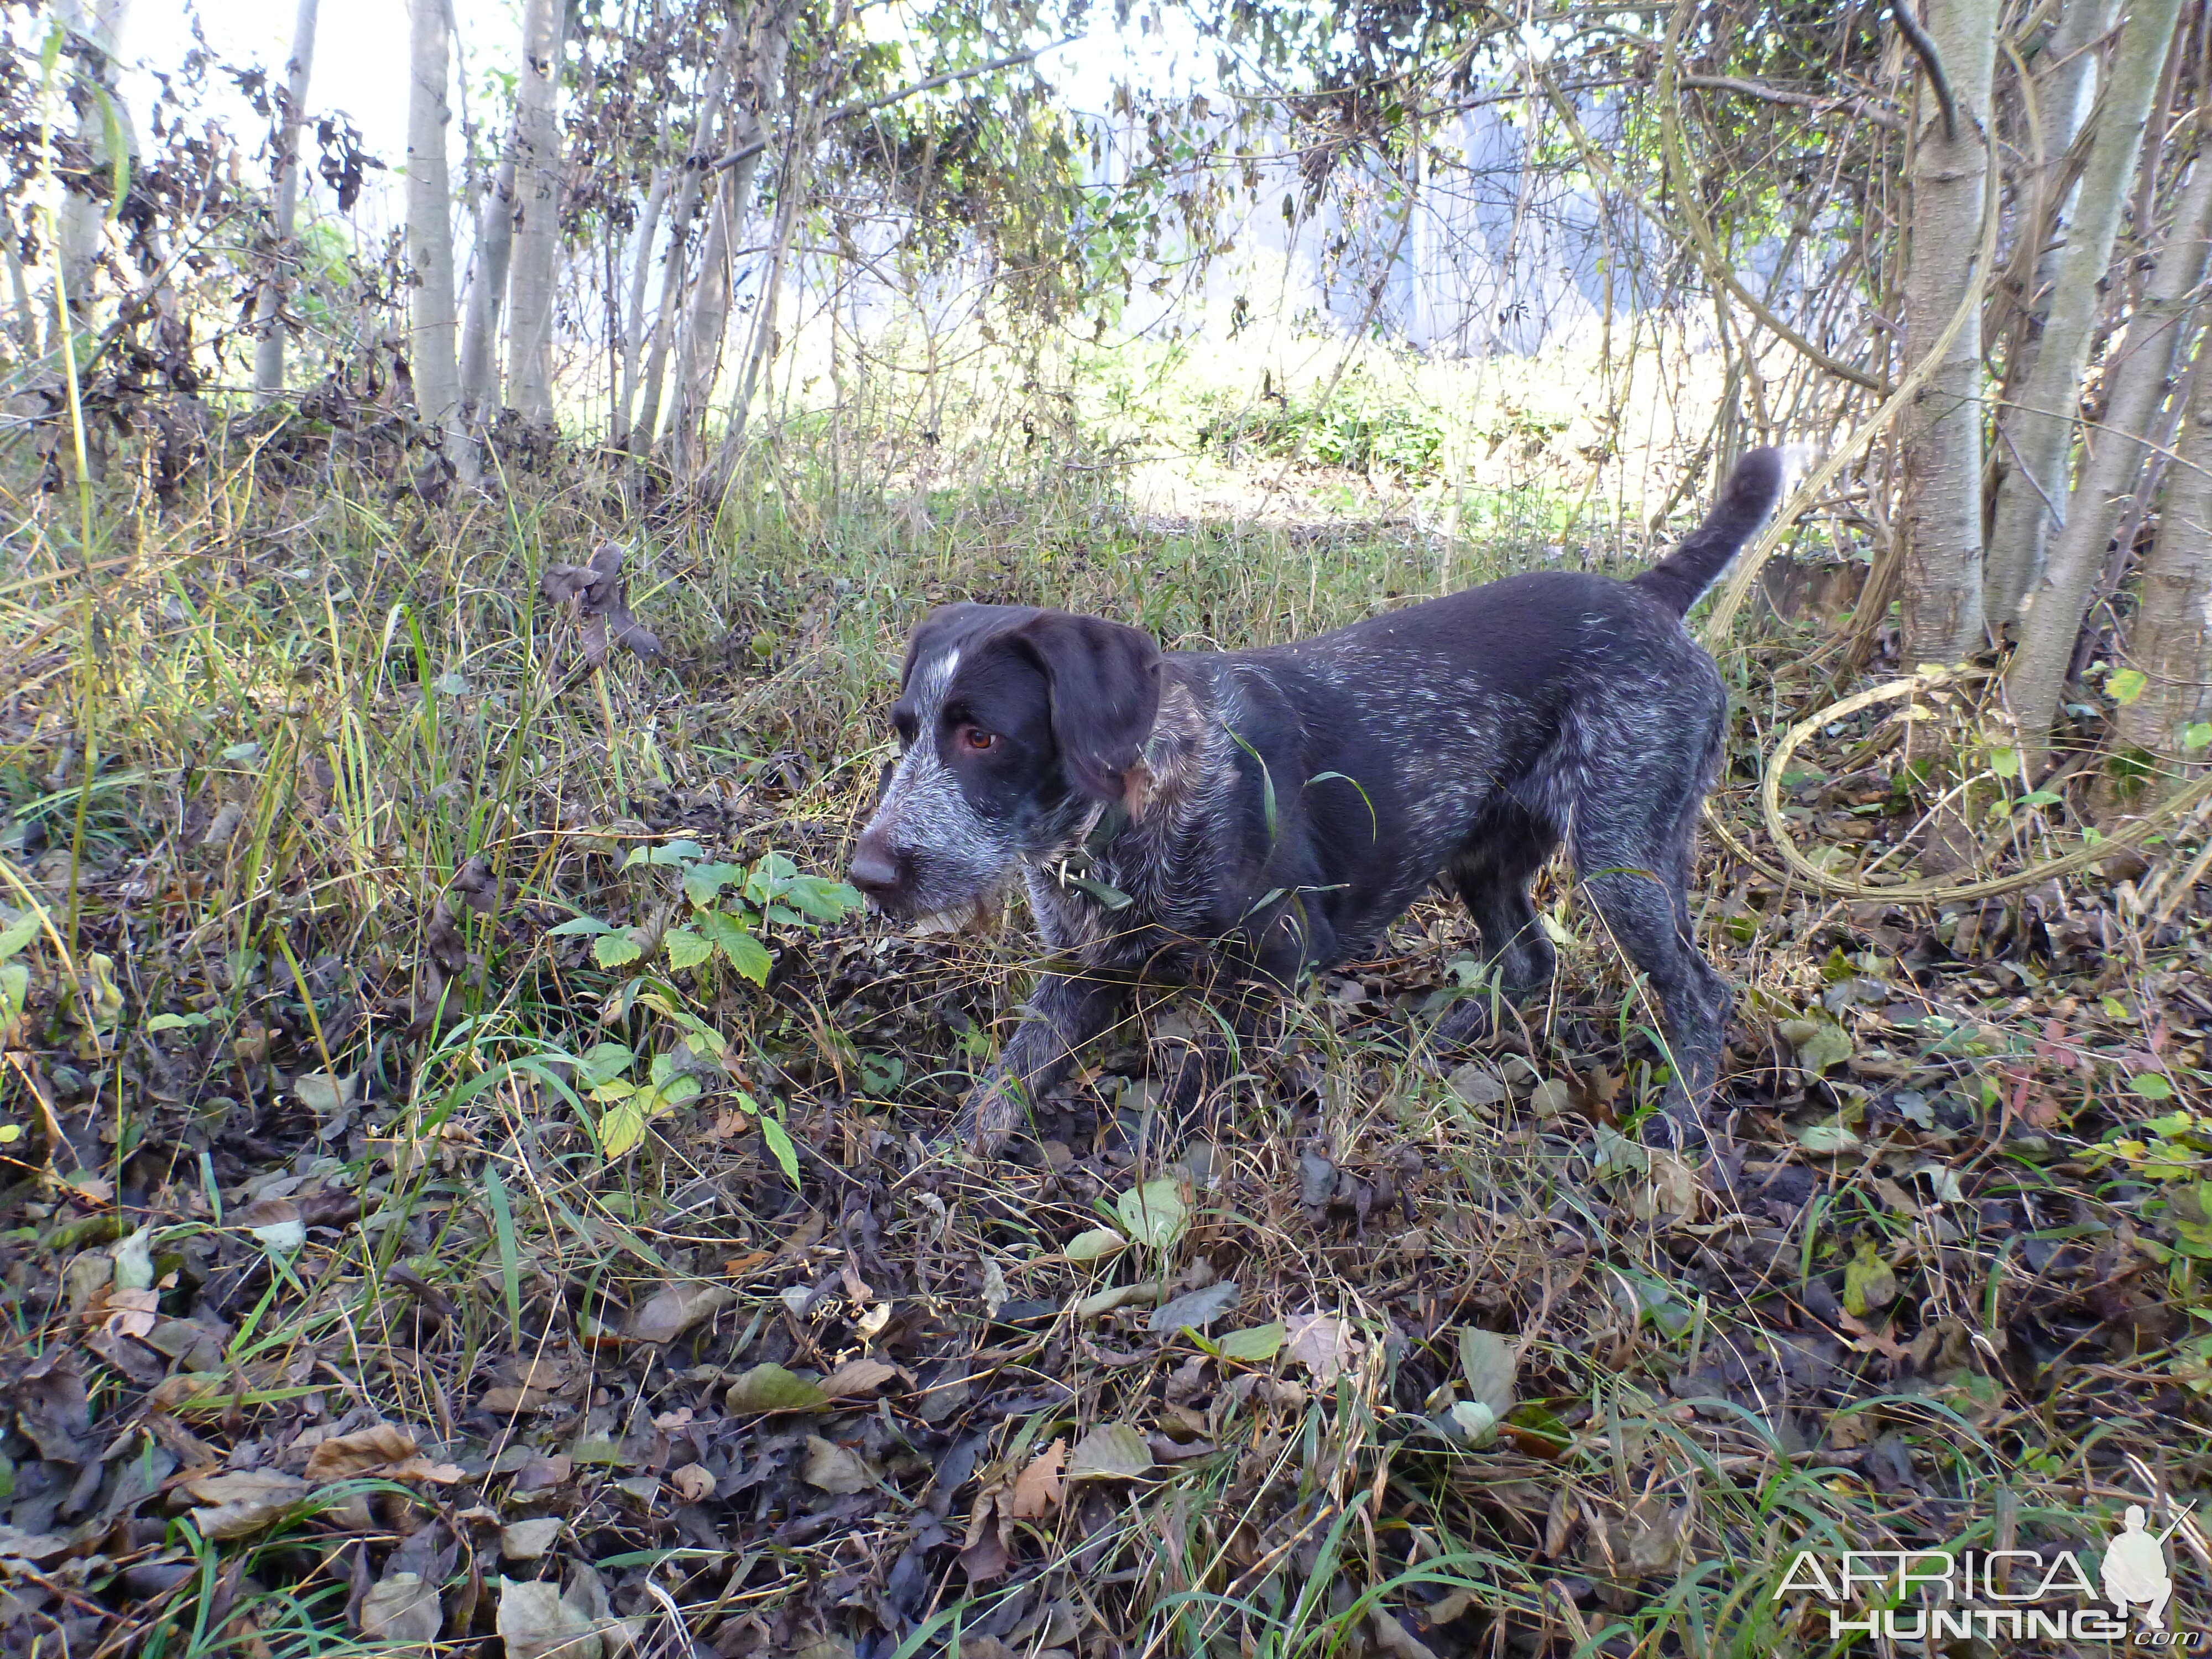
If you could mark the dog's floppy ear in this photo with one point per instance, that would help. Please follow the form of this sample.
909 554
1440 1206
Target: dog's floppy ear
1105 682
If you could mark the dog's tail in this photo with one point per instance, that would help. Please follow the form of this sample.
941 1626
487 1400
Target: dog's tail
1753 489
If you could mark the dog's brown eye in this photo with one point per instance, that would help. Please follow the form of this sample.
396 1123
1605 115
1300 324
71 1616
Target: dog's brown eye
977 737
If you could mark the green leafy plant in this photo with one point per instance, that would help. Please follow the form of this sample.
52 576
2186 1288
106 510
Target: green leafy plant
15 976
769 892
628 1103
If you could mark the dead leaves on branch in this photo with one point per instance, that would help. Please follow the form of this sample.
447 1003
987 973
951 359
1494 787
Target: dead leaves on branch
592 603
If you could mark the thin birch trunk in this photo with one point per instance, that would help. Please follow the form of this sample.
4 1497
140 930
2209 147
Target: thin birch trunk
269 303
792 191
84 216
697 170
537 214
2062 98
757 82
2171 640
1941 438
702 356
480 381
672 294
429 220
2136 374
2038 425
633 340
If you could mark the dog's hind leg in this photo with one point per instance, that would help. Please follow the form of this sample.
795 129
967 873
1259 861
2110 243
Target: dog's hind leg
1491 874
1634 879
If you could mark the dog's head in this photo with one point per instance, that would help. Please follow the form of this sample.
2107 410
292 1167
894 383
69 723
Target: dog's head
1013 724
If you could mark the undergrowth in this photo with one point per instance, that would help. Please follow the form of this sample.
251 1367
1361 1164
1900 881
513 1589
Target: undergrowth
449 1092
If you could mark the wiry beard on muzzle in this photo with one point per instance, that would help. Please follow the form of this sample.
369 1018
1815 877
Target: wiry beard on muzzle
961 863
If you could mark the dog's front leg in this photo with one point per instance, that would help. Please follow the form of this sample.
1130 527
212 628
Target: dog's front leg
1065 1011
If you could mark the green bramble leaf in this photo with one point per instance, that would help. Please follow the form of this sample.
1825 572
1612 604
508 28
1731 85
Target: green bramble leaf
687 948
821 898
603 1062
613 950
18 934
2128 685
1098 1242
1255 1346
703 883
1154 1213
771 873
580 924
621 1128
746 954
779 1142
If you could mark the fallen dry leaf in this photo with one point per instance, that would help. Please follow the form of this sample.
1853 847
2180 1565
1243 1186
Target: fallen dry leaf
348 1454
239 1505
525 1541
769 1388
509 1400
857 1376
1322 1343
694 1484
833 1469
1112 1450
402 1612
133 1313
985 1559
541 1474
675 1308
1036 1490
421 1468
537 1622
593 593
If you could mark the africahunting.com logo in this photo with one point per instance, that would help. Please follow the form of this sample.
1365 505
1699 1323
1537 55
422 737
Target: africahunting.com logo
1912 1595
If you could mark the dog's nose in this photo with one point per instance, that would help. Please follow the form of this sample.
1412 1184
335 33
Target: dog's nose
874 870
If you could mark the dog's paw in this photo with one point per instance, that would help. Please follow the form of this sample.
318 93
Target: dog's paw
988 1117
1466 1022
1675 1127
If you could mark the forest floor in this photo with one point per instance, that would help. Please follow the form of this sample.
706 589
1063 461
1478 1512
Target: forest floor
468 1170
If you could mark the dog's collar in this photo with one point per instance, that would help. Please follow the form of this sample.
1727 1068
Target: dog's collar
1079 871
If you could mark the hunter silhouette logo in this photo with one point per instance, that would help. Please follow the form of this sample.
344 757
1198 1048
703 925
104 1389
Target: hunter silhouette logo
2133 1569
1999 1594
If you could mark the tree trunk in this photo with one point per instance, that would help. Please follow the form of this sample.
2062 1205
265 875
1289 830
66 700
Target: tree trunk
702 356
2039 427
537 214
632 335
2171 640
796 165
2064 95
756 72
1941 438
429 220
694 172
83 215
480 381
2135 376
269 303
